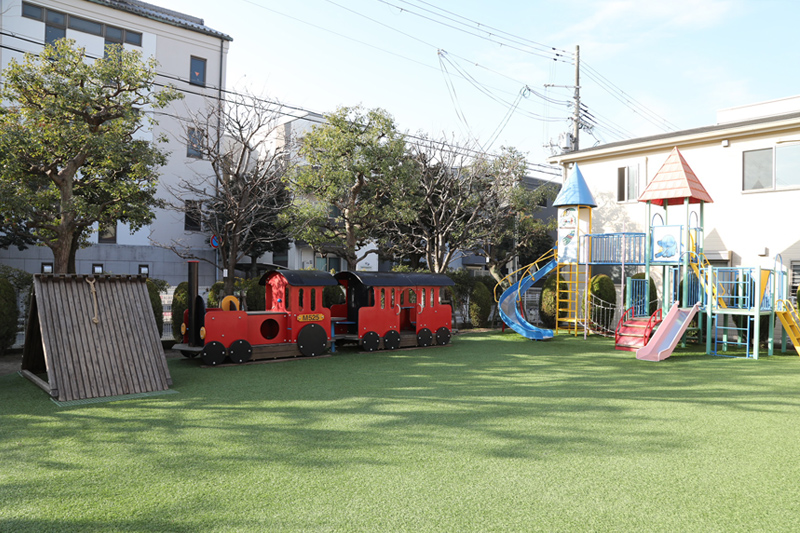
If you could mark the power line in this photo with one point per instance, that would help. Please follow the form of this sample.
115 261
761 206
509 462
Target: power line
310 116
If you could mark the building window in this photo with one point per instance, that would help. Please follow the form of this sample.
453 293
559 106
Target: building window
107 234
133 37
197 74
194 146
97 269
47 268
192 215
769 169
55 26
144 270
32 12
795 281
86 26
628 184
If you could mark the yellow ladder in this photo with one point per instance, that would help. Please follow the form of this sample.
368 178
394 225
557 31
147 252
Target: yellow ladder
571 278
701 265
789 320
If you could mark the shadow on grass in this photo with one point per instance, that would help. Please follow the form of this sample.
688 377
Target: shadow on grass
488 395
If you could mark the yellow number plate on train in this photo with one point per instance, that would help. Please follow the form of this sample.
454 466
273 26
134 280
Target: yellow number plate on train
310 318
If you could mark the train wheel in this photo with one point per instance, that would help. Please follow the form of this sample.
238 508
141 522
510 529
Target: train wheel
424 337
391 341
371 341
190 355
312 340
213 353
442 336
240 351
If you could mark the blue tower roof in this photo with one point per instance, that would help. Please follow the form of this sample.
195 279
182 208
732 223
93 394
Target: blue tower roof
575 191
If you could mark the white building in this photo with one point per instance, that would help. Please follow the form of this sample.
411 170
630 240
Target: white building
749 162
191 57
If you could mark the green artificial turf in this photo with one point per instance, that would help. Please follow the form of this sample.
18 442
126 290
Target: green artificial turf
493 433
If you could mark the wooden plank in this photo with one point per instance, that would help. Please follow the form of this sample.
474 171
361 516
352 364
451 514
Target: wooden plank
86 337
275 351
36 380
107 343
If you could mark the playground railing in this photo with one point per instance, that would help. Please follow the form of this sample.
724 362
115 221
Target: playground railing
527 270
655 319
627 315
617 248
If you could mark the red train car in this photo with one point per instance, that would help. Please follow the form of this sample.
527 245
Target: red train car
294 323
381 310
393 310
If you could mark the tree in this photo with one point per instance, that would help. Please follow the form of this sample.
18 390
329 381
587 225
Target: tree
446 201
69 158
350 182
238 181
506 226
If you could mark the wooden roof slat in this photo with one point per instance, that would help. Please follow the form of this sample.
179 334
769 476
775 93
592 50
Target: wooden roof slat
121 354
674 183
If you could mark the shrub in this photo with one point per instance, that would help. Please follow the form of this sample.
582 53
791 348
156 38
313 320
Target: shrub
9 315
180 302
603 289
547 301
22 282
332 295
464 285
480 305
155 301
254 294
214 297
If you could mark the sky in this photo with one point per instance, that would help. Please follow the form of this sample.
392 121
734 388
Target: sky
499 73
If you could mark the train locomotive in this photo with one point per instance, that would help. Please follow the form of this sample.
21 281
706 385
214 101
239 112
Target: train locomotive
381 310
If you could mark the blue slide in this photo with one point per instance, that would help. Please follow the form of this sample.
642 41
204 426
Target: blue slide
509 308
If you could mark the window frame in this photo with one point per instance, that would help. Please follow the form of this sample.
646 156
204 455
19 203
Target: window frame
197 79
107 234
194 138
774 184
193 215
623 184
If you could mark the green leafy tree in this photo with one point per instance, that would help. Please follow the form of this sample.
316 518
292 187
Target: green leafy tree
69 158
507 226
350 182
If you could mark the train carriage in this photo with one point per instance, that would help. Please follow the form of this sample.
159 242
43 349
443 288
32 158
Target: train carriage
393 310
381 310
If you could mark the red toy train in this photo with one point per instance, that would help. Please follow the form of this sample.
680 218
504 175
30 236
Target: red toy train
385 310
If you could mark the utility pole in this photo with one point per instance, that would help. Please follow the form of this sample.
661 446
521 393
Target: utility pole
576 119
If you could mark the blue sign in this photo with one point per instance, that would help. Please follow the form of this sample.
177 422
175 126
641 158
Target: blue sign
214 241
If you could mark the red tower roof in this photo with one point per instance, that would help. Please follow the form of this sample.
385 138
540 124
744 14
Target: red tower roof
674 182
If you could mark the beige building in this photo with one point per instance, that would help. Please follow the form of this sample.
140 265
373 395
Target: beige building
749 162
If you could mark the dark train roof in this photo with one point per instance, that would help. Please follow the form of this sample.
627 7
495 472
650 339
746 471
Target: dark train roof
397 279
301 278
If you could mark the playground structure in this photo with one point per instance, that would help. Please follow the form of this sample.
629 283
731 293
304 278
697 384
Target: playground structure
723 305
380 310
93 337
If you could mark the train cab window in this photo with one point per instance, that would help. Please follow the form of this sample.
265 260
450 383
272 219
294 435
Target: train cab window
422 301
300 299
313 299
432 296
371 297
383 298
412 296
445 295
402 298
286 299
393 306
